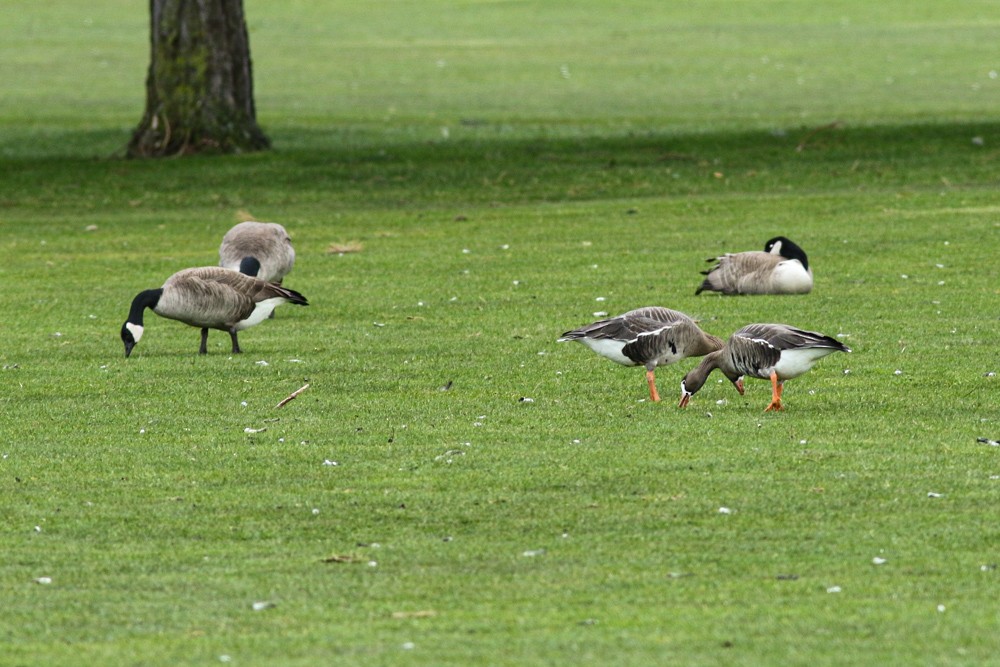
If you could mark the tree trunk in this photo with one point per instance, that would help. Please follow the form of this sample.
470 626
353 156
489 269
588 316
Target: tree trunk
199 91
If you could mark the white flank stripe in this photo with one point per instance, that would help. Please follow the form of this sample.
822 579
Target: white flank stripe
655 332
261 312
607 347
794 363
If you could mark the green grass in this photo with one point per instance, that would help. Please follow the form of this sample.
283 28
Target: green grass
476 528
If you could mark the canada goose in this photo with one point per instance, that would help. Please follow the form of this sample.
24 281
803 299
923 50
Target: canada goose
782 268
209 297
261 249
649 337
768 351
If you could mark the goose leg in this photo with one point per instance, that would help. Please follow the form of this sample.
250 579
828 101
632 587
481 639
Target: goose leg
236 343
776 387
204 342
651 381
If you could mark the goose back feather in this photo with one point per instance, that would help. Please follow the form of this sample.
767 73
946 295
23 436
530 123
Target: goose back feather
264 246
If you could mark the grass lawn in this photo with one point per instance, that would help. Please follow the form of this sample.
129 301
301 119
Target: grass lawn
508 170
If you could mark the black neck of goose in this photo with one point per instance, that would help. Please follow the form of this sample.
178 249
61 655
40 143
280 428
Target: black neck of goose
787 249
143 300
250 266
792 251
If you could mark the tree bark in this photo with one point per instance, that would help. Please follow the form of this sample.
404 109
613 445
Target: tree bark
199 90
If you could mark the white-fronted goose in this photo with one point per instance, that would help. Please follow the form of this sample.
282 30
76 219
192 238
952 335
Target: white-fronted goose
782 268
649 337
776 352
261 249
209 297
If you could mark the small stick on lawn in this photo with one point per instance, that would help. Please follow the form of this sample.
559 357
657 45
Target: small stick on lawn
809 135
292 396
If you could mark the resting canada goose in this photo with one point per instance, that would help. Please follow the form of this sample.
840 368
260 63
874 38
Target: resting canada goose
768 351
649 337
261 249
782 268
209 297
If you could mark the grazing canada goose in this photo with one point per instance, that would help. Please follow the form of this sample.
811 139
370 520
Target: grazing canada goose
649 337
209 297
768 351
261 249
782 268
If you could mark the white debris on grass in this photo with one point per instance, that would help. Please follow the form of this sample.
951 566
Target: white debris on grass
878 560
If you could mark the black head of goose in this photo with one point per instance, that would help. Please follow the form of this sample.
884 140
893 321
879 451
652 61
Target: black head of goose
775 352
260 249
649 337
209 297
782 268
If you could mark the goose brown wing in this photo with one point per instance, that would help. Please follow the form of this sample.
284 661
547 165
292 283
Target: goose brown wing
645 321
208 297
629 326
254 289
650 344
785 337
751 355
741 273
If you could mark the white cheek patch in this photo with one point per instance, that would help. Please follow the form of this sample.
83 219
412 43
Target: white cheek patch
135 330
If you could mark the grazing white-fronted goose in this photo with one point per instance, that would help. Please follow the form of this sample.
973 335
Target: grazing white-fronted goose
209 297
782 268
261 249
776 352
649 337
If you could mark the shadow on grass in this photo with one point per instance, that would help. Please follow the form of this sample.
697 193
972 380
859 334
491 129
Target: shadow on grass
364 167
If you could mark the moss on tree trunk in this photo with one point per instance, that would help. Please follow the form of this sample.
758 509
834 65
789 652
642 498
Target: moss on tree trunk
199 90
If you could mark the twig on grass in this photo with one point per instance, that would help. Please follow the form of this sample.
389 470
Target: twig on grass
822 128
292 396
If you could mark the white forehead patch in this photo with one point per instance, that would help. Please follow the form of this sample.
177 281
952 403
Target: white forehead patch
135 330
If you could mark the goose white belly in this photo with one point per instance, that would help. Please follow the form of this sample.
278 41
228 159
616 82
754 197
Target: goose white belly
790 277
609 348
797 361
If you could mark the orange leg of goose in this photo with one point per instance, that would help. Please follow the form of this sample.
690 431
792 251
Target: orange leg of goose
776 388
651 381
